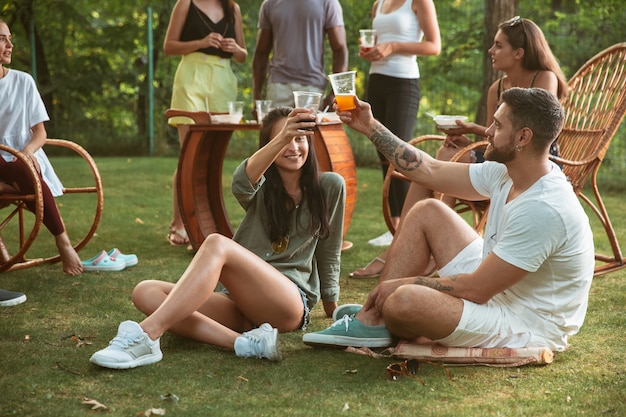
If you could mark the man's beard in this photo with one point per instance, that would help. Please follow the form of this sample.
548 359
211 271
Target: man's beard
502 155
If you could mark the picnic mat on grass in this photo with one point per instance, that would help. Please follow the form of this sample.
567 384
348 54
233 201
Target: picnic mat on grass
475 356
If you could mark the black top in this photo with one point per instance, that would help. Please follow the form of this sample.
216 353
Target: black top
198 25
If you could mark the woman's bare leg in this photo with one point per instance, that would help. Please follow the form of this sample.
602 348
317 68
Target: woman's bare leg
69 258
176 223
258 294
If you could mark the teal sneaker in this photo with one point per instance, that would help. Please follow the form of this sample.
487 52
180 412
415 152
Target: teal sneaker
346 310
348 331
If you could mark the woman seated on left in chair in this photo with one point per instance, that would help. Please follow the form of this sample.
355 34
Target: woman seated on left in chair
22 115
285 257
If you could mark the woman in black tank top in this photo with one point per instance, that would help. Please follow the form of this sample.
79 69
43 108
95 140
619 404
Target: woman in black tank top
207 34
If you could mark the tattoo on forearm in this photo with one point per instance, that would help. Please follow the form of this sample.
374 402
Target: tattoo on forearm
400 153
433 283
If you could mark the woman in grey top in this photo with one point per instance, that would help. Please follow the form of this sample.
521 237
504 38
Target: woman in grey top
284 257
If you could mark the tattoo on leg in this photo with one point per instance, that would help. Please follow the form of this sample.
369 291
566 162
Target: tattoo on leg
403 155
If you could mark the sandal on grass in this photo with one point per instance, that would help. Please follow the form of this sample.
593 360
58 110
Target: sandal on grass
178 237
103 262
363 272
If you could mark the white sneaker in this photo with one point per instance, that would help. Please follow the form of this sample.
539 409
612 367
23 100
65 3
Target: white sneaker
383 240
131 348
261 342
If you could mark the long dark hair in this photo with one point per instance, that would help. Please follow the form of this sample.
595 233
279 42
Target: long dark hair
278 203
525 34
229 10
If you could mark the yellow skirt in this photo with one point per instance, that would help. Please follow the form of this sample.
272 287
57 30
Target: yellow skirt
202 80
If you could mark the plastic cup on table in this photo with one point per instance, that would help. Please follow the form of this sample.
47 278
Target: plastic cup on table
235 109
262 108
344 89
367 38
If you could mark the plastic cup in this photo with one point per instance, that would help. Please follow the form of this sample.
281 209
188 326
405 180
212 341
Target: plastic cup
235 108
367 38
344 89
307 100
262 108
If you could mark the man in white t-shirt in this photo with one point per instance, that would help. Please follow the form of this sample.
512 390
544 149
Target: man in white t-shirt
293 32
525 285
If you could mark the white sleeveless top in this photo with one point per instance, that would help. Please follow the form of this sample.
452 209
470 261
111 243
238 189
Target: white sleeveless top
401 25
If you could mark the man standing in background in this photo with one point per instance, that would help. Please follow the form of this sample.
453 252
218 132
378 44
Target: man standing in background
293 31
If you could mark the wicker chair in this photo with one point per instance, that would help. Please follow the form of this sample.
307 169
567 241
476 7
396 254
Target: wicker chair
18 231
595 107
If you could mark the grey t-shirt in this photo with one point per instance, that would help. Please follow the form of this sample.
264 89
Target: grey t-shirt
313 264
298 29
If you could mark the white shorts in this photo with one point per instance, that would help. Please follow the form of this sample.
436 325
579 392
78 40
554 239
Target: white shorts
492 324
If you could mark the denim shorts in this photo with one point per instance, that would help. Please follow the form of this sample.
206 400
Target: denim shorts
307 311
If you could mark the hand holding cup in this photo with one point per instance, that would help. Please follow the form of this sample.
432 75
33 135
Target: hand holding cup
367 39
344 87
307 100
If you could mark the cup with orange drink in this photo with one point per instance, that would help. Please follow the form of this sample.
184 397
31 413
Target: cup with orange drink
344 89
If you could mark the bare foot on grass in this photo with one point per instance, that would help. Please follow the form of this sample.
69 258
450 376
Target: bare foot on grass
69 257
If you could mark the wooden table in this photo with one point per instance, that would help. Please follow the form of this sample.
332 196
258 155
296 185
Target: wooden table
199 181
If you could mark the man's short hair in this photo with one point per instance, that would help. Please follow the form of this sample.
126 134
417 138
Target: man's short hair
537 109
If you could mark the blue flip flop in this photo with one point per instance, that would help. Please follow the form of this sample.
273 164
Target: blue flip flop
103 262
130 259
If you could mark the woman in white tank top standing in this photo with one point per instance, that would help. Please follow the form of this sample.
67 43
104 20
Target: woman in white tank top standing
405 29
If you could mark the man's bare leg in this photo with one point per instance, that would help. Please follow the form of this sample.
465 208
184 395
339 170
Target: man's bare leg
431 229
415 311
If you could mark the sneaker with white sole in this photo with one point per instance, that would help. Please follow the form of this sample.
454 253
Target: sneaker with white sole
132 347
383 240
346 310
261 342
11 298
348 331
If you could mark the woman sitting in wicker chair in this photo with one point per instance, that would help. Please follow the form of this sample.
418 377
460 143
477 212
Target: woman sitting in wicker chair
22 117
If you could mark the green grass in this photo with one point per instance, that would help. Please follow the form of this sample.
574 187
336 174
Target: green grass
44 373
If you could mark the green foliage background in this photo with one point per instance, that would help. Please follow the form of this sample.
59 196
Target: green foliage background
91 64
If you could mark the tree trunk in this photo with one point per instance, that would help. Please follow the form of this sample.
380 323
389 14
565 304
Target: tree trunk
496 11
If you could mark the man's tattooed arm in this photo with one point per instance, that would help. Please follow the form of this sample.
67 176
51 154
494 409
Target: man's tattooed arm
435 284
404 156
